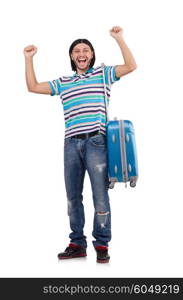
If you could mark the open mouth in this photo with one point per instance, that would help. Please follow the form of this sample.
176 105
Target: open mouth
81 61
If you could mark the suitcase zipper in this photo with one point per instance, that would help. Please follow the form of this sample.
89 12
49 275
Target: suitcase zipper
123 151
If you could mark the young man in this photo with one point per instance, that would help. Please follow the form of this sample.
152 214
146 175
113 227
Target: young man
82 96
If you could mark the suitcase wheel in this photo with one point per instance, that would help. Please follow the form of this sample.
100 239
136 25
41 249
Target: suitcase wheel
132 183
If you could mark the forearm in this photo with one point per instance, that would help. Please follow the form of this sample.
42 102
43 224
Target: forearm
126 53
29 73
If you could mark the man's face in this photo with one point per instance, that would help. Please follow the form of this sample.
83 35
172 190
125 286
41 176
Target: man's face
82 56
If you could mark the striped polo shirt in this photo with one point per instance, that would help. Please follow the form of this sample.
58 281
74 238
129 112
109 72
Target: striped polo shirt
83 99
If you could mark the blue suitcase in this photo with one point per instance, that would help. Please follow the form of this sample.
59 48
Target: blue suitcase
122 154
121 146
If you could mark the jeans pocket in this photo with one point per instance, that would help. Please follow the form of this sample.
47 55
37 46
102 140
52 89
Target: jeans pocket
67 141
98 140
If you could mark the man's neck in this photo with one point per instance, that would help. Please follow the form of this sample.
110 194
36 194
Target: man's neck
79 72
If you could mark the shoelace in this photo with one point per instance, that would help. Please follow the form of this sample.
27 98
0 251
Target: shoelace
69 249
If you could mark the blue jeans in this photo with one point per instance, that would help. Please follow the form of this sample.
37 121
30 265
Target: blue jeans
80 155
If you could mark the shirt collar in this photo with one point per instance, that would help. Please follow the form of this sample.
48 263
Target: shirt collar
88 71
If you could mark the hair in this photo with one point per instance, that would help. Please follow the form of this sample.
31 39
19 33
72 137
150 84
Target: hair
79 41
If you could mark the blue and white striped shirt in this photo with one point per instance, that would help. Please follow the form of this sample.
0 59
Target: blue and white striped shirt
83 99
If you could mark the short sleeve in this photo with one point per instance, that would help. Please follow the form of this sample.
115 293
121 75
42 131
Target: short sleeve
55 86
110 74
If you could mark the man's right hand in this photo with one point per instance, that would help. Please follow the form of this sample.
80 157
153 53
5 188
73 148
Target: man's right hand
29 51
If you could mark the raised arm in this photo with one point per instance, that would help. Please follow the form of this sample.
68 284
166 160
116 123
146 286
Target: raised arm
32 84
129 61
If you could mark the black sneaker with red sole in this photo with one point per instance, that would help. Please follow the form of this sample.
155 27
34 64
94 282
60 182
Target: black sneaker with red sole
102 254
73 251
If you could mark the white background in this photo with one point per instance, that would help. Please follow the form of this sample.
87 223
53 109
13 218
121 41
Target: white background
146 221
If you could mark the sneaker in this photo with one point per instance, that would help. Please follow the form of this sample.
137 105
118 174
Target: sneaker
72 251
102 254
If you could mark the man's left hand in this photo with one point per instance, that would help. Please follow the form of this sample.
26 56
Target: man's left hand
116 32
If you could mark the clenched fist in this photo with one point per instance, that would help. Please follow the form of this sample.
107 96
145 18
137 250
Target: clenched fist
116 32
29 51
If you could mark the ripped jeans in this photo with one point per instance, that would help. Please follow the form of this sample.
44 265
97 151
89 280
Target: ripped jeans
80 155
